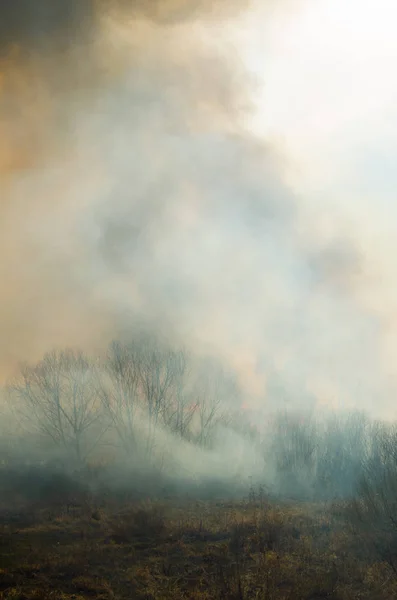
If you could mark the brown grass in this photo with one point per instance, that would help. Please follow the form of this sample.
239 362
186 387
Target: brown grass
183 549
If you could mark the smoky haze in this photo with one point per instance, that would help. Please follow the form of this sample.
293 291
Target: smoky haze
134 195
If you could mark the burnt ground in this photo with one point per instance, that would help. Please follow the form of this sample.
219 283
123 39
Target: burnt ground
106 547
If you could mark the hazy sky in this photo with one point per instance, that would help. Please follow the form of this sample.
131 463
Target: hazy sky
226 177
329 100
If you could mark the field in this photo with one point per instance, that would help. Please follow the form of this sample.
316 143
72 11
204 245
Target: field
130 477
82 545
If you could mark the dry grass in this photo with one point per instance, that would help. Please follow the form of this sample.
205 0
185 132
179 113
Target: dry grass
183 549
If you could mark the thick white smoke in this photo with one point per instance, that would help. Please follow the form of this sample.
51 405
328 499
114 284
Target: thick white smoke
135 192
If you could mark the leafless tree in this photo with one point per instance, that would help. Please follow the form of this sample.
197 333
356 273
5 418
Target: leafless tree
118 385
57 396
214 389
158 368
341 452
291 448
373 510
182 405
143 384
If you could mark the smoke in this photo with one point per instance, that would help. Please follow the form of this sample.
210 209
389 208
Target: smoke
63 109
133 193
56 26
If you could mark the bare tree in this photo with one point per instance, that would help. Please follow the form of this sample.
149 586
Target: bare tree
118 385
342 448
158 367
142 384
214 390
373 511
58 397
292 448
182 405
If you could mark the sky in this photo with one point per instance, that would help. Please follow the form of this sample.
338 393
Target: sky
221 173
328 96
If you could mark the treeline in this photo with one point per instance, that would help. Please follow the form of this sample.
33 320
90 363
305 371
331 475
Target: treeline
148 404
128 400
